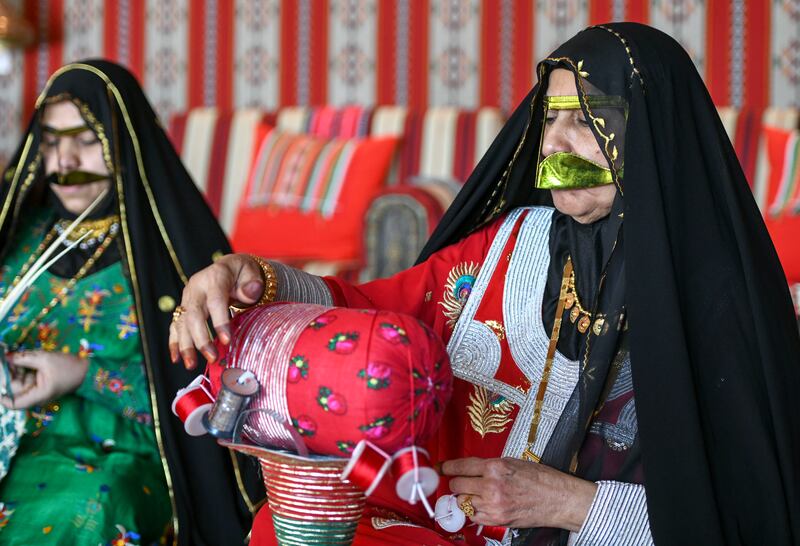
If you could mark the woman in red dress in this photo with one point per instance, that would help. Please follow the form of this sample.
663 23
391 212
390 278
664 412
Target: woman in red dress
625 361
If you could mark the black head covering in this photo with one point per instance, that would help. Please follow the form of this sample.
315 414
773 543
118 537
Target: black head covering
167 233
713 341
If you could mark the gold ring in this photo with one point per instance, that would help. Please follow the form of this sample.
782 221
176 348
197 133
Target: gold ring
177 313
466 507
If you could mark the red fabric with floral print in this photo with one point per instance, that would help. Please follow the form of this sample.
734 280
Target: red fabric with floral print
355 374
364 375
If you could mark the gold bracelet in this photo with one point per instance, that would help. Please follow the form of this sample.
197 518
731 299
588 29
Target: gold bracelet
270 279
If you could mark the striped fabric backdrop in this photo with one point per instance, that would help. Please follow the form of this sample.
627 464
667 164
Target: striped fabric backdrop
418 53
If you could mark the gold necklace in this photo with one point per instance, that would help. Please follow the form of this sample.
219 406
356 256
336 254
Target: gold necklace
92 231
58 298
29 263
577 311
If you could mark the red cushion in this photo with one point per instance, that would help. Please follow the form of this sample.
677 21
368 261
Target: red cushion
776 143
783 224
288 211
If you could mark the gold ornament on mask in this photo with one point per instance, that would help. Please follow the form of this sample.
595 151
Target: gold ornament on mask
569 171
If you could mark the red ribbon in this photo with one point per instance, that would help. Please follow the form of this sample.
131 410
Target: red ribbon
367 467
189 401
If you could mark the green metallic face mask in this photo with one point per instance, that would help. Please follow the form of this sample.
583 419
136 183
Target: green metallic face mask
567 171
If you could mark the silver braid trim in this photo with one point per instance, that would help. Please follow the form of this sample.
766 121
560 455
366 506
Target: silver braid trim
475 352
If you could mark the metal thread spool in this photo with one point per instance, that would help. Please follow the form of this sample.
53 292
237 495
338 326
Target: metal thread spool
310 503
238 386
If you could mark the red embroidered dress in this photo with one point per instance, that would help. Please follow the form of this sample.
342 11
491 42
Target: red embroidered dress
483 296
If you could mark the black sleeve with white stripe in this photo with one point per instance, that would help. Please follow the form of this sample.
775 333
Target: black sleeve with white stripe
618 515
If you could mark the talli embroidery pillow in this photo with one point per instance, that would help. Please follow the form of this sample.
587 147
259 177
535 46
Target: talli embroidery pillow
338 376
782 214
307 196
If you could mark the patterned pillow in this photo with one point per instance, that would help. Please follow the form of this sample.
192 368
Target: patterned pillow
782 196
307 196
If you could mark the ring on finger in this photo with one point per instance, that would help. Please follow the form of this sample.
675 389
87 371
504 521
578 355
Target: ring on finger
178 313
466 506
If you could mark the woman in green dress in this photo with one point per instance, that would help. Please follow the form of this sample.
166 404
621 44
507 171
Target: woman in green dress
93 453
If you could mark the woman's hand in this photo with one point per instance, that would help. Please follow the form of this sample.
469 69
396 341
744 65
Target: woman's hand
39 377
515 493
235 278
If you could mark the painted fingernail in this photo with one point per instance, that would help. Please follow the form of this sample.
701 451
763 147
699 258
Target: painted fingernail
173 355
224 333
253 289
189 359
209 353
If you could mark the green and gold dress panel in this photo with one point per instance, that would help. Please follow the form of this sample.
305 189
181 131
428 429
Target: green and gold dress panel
88 469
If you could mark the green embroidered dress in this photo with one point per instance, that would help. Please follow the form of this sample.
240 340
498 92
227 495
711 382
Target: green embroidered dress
88 469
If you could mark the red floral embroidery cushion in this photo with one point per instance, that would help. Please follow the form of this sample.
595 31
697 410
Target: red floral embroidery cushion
341 375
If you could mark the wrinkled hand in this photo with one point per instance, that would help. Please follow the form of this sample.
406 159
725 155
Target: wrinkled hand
514 493
37 377
235 278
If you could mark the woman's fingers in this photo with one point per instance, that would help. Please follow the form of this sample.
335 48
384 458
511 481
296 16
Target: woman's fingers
208 295
466 486
470 466
469 504
36 395
174 348
249 282
186 345
33 360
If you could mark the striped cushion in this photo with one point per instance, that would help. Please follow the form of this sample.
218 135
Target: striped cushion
781 148
778 118
444 142
782 151
346 122
312 191
299 172
216 147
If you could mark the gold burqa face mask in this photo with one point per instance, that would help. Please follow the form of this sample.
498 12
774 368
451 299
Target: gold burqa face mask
569 171
76 177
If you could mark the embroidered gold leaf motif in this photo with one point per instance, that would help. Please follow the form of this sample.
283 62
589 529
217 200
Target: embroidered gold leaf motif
497 328
601 122
581 71
488 412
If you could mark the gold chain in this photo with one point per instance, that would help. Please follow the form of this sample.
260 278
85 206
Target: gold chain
28 264
528 454
58 298
577 310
